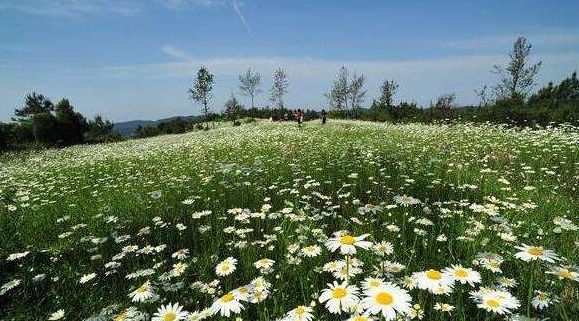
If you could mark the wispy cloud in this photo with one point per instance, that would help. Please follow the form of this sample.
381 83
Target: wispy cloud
71 8
176 53
561 38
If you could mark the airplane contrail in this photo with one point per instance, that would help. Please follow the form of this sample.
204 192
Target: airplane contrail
240 15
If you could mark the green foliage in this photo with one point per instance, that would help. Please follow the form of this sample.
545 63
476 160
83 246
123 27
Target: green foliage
34 103
202 88
100 130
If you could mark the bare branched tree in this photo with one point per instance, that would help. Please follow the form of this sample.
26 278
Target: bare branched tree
249 85
388 91
338 95
356 92
279 88
483 95
518 77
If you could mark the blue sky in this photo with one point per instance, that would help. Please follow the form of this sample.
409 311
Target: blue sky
134 59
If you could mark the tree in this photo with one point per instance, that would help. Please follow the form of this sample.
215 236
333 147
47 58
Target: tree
34 103
388 91
232 108
518 77
201 89
338 95
279 88
445 102
483 95
356 92
249 85
71 124
100 130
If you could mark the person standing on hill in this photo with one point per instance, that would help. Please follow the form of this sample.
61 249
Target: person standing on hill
324 115
299 117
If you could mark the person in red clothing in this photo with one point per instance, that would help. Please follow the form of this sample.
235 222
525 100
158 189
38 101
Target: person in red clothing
299 117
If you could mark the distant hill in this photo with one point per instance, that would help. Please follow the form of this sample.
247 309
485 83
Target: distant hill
127 128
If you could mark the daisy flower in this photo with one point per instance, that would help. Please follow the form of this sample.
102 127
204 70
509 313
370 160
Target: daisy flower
264 264
226 266
339 297
87 277
387 300
143 293
443 307
170 312
542 300
433 281
463 275
496 301
348 243
372 283
56 315
301 313
227 304
383 248
564 273
531 253
311 251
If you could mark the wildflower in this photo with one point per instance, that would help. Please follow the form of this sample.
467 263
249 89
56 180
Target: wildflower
264 264
388 300
59 314
226 304
142 293
339 297
170 312
301 313
542 300
348 243
530 253
226 266
311 251
433 281
87 277
463 275
497 301
564 273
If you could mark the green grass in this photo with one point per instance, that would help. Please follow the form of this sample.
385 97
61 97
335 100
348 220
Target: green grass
104 192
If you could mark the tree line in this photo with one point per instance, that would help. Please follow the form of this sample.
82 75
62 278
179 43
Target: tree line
511 101
41 123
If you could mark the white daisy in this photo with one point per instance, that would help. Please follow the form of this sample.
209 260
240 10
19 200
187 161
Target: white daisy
387 300
348 243
339 297
170 312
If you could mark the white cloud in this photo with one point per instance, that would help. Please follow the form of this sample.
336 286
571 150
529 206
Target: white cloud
71 8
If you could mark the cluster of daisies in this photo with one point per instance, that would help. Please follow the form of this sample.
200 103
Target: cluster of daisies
248 224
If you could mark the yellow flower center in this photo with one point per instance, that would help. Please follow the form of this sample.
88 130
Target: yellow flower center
227 298
347 239
170 316
225 266
493 303
384 298
121 317
433 274
360 318
374 283
535 251
142 288
339 293
461 273
300 310
565 274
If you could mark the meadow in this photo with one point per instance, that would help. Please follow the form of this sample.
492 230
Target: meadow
267 221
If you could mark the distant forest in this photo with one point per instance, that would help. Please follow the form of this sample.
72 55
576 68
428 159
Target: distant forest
42 123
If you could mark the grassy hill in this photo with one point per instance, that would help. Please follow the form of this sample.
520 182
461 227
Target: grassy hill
266 215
